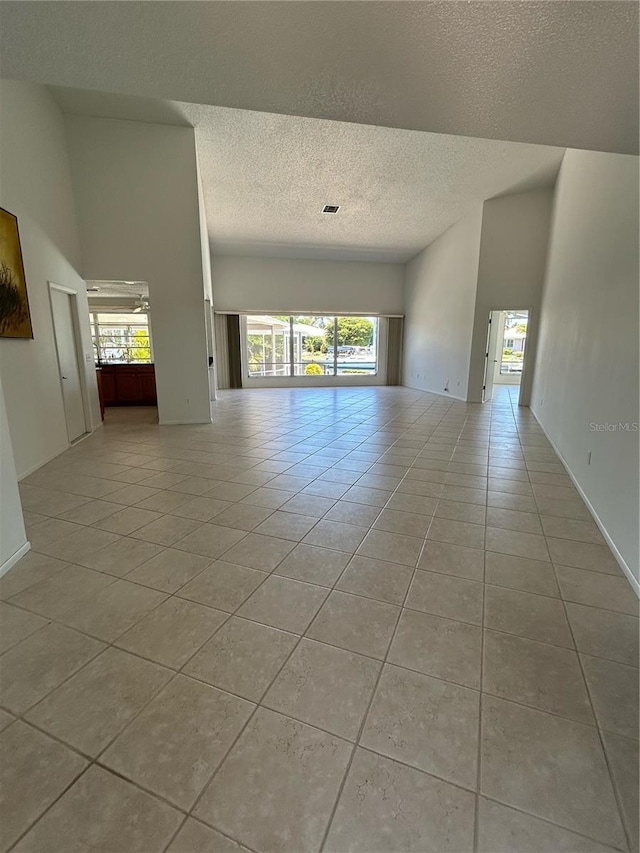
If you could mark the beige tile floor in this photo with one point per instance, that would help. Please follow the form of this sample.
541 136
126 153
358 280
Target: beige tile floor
335 619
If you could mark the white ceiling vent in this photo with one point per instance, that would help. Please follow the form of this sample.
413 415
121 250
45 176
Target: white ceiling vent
331 208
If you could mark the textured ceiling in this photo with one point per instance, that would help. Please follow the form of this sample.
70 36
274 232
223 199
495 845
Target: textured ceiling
555 73
266 178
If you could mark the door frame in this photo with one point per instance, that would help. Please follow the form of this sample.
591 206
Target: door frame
525 384
209 320
77 342
489 372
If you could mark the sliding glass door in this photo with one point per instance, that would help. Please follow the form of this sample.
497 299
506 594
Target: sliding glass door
311 346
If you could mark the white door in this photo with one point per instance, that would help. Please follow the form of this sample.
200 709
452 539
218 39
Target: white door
65 333
490 358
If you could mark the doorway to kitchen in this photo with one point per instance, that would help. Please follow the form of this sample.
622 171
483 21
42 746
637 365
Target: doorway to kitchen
120 319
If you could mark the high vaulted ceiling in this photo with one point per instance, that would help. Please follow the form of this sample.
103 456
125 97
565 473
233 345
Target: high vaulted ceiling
557 73
406 114
266 178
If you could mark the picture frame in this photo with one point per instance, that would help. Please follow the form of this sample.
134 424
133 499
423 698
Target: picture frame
15 315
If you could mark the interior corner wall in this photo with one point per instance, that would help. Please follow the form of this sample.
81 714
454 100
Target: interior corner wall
136 187
205 249
305 286
585 392
440 294
513 255
35 185
204 238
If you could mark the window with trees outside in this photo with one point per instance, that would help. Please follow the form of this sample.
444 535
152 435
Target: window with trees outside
121 338
321 345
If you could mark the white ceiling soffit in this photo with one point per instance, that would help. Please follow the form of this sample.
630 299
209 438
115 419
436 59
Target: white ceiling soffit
557 73
266 178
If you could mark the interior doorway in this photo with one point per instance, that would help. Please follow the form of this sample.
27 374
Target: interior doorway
66 329
120 319
506 349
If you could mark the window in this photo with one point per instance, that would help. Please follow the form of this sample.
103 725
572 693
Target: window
121 338
268 346
321 345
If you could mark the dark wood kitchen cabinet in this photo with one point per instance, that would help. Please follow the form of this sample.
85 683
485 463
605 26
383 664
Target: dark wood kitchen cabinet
128 384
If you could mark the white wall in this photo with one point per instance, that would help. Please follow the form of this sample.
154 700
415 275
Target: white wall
137 195
587 365
513 253
35 185
277 285
13 539
440 291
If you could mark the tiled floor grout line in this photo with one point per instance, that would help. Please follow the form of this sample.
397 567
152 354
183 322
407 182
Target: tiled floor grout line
331 588
546 820
480 692
192 496
260 701
368 708
598 728
176 592
96 759
372 697
112 644
258 705
229 615
478 791
48 808
246 531
363 722
585 682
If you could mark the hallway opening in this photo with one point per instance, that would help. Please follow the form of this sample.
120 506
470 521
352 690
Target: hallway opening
506 350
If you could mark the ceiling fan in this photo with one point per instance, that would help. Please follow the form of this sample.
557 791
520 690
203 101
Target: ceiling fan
142 304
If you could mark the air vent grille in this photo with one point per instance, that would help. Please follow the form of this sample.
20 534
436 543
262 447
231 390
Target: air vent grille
331 208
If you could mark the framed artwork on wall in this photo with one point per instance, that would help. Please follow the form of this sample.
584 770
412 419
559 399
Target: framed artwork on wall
15 317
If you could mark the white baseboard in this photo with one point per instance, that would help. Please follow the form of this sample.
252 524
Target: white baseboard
447 395
13 559
81 438
24 474
633 580
34 468
182 423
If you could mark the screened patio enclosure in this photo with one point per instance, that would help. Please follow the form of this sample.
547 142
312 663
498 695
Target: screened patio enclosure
310 346
275 345
261 350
